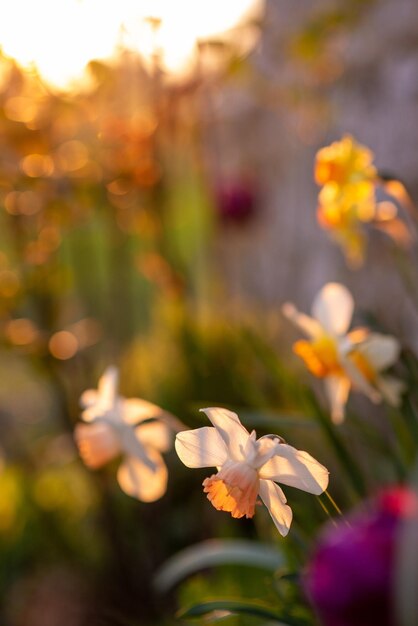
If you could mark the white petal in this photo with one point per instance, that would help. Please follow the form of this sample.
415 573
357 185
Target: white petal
101 411
266 447
391 389
89 397
333 308
359 381
155 434
275 500
97 443
108 385
136 410
307 324
103 401
380 350
296 468
337 389
202 447
228 425
133 446
141 482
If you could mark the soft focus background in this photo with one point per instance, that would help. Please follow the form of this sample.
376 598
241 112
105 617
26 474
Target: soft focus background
155 214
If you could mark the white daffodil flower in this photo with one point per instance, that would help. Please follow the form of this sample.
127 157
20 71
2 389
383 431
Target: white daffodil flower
371 357
248 467
117 426
345 359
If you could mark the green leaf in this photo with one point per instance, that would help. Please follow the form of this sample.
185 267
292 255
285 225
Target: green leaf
216 552
231 607
272 420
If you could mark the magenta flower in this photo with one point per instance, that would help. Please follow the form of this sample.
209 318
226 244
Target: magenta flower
235 200
350 578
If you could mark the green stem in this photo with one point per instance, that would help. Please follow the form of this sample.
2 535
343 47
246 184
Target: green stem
324 508
344 457
410 414
334 504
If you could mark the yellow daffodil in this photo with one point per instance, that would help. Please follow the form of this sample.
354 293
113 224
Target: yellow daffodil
344 162
345 359
248 467
343 214
135 429
347 200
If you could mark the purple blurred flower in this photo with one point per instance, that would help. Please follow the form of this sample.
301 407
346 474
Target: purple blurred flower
350 578
236 200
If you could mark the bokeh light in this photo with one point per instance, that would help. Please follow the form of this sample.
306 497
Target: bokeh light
59 39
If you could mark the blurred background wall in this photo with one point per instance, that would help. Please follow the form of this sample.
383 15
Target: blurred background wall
322 70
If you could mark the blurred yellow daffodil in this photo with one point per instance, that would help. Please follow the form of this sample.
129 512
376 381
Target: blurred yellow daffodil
135 429
344 162
344 358
347 200
248 467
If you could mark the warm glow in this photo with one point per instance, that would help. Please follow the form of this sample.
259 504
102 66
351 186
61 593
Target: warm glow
60 38
63 345
171 29
21 331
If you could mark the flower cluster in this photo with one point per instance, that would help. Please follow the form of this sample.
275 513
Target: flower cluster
350 577
248 467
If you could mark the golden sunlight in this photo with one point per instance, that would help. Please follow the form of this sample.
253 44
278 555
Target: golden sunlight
59 38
